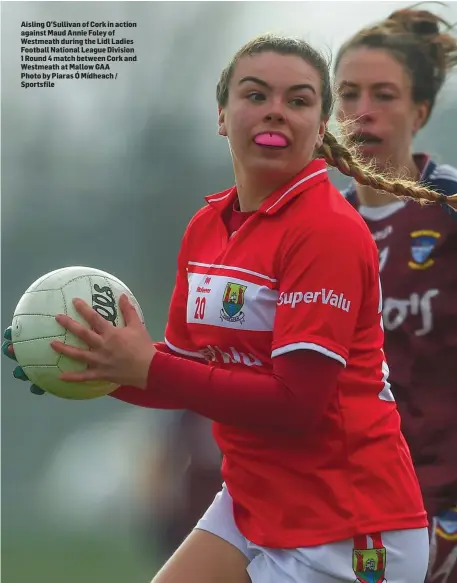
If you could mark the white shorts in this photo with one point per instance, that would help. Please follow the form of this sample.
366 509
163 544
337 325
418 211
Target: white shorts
406 556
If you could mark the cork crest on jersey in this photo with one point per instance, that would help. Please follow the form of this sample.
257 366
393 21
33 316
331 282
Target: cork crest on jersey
230 297
232 302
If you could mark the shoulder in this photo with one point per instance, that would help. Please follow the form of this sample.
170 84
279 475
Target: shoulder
199 217
331 223
200 221
194 232
349 194
339 215
216 205
444 178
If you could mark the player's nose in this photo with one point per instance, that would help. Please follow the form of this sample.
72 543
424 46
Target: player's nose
275 111
364 109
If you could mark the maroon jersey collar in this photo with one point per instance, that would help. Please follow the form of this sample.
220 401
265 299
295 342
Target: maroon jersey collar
313 173
423 164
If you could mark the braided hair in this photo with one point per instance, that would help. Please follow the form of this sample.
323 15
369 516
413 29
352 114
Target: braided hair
347 162
336 154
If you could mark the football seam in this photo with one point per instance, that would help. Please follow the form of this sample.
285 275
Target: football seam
66 331
40 366
41 315
39 338
33 291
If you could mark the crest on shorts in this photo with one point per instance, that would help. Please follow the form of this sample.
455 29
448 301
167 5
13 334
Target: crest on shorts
422 246
369 565
233 302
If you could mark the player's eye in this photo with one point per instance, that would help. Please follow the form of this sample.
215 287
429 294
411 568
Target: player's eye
299 101
385 96
348 95
256 96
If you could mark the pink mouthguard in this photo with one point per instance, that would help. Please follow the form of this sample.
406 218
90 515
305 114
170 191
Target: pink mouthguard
268 139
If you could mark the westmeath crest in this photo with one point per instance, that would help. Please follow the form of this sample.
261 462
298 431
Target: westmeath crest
422 245
369 565
446 524
233 302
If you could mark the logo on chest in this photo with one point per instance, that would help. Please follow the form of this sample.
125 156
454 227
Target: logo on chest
233 302
422 245
230 303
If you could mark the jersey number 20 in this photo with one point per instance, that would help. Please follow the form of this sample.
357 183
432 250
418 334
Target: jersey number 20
200 305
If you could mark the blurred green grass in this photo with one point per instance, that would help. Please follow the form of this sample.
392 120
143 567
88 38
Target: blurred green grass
75 560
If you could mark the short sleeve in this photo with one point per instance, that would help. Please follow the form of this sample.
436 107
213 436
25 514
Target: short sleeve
176 333
323 279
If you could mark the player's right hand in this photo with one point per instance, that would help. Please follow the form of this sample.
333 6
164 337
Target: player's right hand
18 372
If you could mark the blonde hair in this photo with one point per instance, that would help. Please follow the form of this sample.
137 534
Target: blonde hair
347 162
343 158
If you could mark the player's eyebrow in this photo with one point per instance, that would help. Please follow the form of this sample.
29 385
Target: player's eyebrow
379 85
263 83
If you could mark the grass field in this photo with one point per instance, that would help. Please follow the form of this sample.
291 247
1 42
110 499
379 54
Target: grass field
75 560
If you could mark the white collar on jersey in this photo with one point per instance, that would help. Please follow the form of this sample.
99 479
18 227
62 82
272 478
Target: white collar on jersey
377 213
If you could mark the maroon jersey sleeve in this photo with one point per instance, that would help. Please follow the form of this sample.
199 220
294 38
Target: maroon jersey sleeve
323 278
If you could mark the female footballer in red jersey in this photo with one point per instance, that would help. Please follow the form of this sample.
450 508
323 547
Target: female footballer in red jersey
275 334
388 77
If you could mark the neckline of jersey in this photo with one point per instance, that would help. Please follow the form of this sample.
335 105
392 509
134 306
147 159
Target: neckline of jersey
379 213
312 174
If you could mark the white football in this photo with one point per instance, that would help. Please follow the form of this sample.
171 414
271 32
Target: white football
34 326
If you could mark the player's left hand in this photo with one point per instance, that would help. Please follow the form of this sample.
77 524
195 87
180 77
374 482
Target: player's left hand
118 355
18 372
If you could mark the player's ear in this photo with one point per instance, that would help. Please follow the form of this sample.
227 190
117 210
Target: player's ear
321 132
221 122
421 114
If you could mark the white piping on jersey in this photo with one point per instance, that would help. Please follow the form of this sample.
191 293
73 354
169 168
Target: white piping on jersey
377 213
444 172
233 269
425 168
220 198
282 196
308 346
183 352
305 179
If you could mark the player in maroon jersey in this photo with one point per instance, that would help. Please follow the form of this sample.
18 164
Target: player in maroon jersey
180 482
278 302
388 78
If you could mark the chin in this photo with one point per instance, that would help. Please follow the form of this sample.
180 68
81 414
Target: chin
374 159
269 165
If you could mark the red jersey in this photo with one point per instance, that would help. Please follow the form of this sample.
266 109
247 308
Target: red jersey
300 273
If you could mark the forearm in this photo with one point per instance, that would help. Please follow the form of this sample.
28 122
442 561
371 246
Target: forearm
149 399
293 399
140 398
